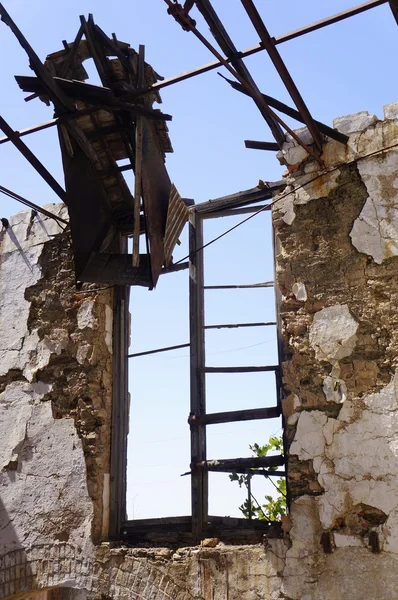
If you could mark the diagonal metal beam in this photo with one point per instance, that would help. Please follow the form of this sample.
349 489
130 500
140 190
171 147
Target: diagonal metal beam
228 47
291 112
356 10
188 24
394 9
34 161
280 66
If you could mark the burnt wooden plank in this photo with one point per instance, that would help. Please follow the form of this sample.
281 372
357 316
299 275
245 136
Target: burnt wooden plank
256 194
197 379
156 186
235 415
116 269
120 411
254 145
228 465
292 112
138 163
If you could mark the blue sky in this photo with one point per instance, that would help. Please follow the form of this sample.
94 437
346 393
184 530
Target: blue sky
345 68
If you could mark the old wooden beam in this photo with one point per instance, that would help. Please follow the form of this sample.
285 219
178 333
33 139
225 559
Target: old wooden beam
282 70
197 379
166 349
228 47
291 112
235 415
228 465
356 10
138 162
253 145
264 191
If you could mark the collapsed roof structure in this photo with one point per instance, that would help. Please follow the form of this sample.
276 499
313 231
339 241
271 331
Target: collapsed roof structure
99 126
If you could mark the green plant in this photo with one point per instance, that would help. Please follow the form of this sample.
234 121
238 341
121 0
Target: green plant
274 508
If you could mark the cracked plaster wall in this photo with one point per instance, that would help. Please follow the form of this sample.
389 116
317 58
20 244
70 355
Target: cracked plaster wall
336 269
55 391
337 238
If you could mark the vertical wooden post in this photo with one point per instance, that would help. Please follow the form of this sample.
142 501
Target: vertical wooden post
197 352
120 410
138 163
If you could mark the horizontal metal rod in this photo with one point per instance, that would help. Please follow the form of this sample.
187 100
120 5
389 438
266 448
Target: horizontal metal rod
167 349
266 369
266 284
53 122
236 325
259 47
341 16
31 205
235 415
253 145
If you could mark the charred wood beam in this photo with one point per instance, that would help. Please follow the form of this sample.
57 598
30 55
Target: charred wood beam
264 191
283 71
71 53
228 47
394 9
188 24
265 369
291 112
229 465
253 145
32 159
234 416
101 97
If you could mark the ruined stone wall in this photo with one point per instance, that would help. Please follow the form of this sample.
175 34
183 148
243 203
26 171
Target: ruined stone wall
55 390
337 238
336 227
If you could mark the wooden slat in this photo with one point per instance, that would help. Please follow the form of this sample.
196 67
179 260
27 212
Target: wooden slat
198 380
254 145
177 216
166 349
235 415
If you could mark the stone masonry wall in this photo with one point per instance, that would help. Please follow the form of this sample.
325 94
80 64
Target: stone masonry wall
55 390
336 227
337 238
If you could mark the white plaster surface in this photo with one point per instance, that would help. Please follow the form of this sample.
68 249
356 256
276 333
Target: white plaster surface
300 292
375 231
85 315
391 110
333 333
355 122
305 188
46 491
20 249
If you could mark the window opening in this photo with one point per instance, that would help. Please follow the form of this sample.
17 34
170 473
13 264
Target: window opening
228 358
